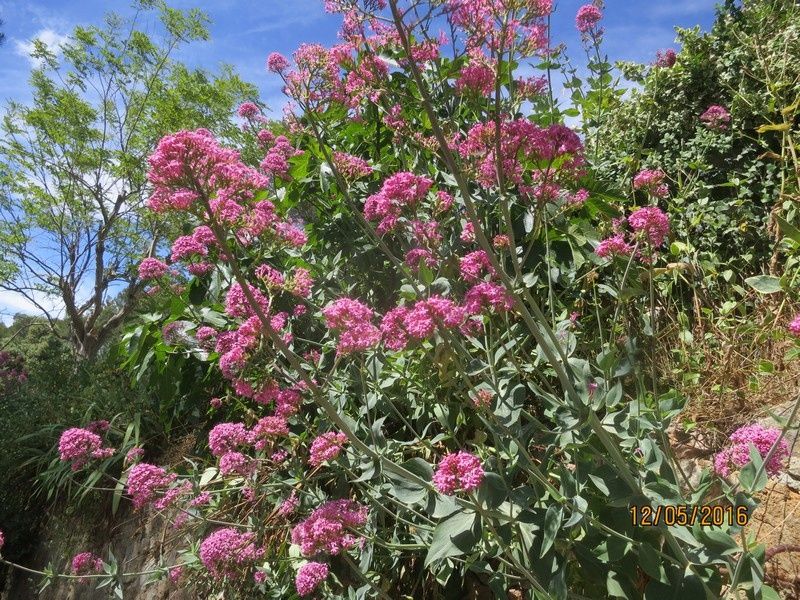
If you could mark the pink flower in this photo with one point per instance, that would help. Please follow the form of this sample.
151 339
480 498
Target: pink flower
201 499
613 246
289 505
86 563
277 62
145 481
326 447
79 446
175 573
2 540
187 246
327 528
794 326
666 58
651 181
353 321
152 268
227 437
501 242
476 77
468 233
587 18
482 398
188 165
227 552
134 455
309 576
489 295
399 192
716 117
459 471
236 463
417 256
248 110
651 222
260 577
578 198
351 167
269 427
300 283
738 454
473 265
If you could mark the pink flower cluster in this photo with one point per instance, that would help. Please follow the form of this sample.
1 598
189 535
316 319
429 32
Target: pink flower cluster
86 563
327 528
477 77
401 190
152 268
326 447
794 326
420 320
474 264
363 83
458 471
587 18
651 223
353 320
482 398
309 577
485 23
146 482
523 145
652 182
189 165
648 224
276 162
2 540
228 437
228 552
80 446
236 463
738 454
417 256
189 170
277 62
289 505
666 58
613 246
351 167
716 117
249 110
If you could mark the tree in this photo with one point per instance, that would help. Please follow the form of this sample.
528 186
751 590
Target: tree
73 163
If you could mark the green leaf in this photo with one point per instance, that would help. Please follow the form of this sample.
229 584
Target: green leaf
767 593
454 536
650 563
788 230
764 284
408 491
492 491
552 523
747 476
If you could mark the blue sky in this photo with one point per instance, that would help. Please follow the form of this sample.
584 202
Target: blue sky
244 33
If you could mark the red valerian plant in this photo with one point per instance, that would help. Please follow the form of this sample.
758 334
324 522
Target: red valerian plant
463 415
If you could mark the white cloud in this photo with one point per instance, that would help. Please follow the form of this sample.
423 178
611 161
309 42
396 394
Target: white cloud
49 38
12 303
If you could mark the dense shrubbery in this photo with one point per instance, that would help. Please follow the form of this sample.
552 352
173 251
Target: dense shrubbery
425 332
